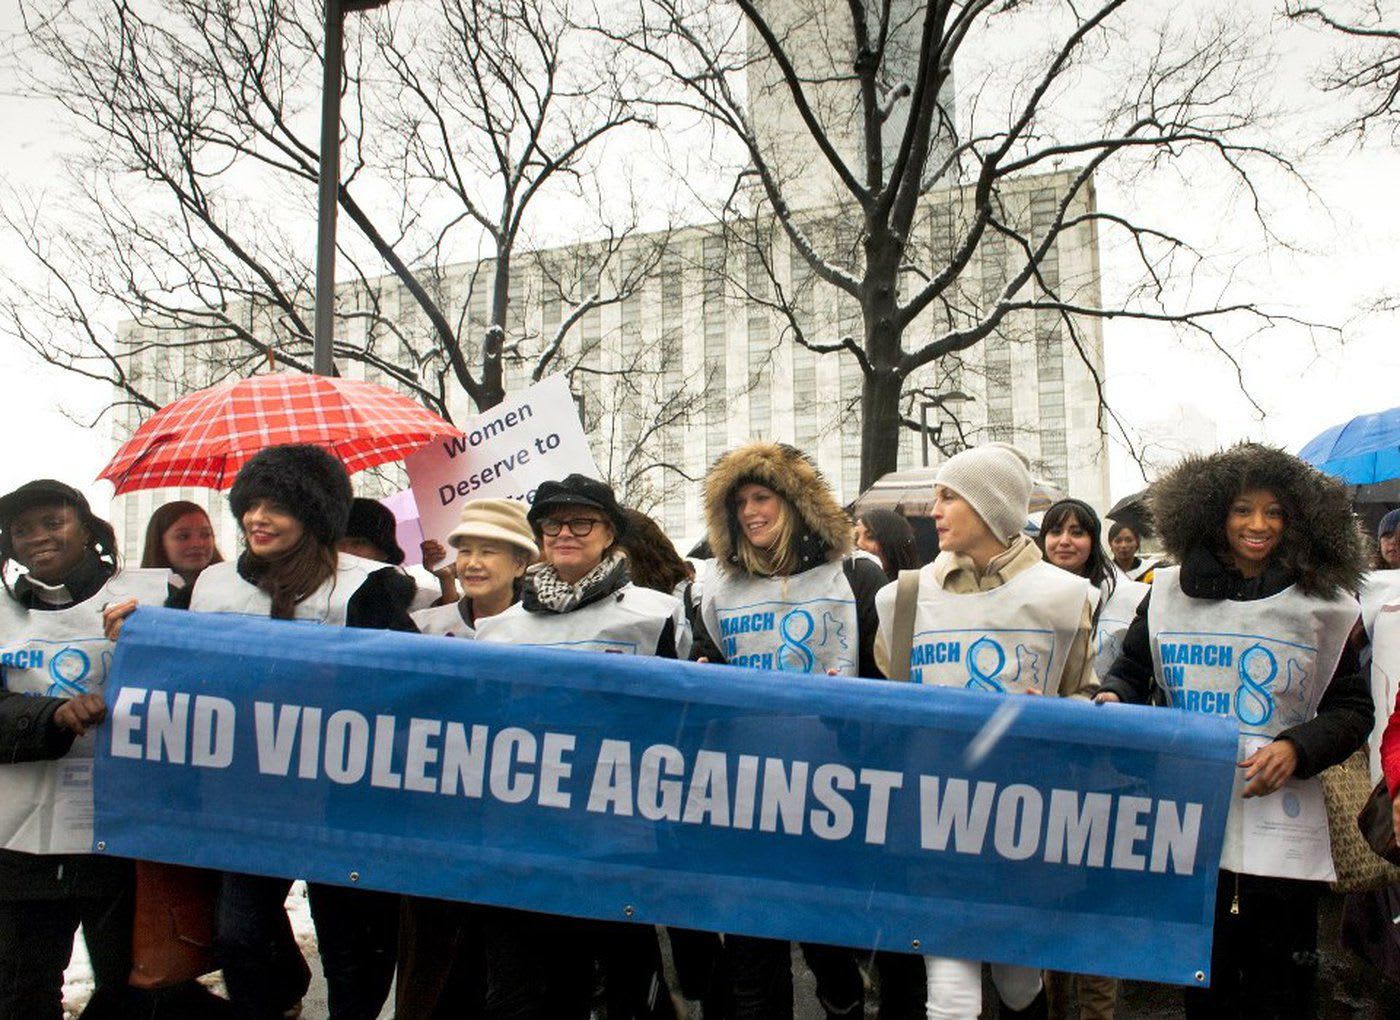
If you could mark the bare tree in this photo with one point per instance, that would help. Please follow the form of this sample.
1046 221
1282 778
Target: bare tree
192 202
916 214
1367 70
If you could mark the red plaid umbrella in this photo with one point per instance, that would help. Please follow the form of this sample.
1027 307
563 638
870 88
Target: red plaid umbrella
203 438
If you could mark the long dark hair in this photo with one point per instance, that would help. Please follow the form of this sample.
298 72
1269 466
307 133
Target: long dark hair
898 551
294 576
102 539
651 558
153 554
1098 568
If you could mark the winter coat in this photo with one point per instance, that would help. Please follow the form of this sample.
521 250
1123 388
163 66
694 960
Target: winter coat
958 574
28 733
823 541
1320 552
613 615
380 602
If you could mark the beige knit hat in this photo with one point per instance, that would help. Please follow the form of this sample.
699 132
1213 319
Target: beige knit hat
995 479
499 519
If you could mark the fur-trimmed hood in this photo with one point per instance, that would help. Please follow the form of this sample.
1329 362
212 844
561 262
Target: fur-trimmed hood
826 530
1321 546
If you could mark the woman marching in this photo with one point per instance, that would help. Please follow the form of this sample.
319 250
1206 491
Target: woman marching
55 661
1069 539
292 504
1270 561
781 540
180 538
1033 628
494 545
888 536
442 967
1125 539
539 966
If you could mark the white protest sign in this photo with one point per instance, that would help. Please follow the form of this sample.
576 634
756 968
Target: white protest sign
508 451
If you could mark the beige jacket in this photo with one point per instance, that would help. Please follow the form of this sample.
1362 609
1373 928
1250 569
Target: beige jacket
959 575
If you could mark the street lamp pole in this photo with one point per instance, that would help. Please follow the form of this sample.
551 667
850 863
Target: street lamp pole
328 197
936 433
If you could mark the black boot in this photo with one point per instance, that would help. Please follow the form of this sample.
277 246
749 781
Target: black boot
1039 1009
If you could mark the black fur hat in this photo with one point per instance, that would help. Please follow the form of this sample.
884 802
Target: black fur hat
310 483
1321 543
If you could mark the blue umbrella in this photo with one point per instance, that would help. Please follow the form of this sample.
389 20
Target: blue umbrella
1362 451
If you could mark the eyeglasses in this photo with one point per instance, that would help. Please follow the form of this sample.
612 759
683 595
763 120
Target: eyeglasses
578 526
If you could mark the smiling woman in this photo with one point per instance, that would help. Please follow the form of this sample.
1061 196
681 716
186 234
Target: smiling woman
581 597
1254 626
53 666
789 596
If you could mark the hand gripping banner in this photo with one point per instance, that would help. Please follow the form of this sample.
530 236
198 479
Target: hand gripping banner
1007 828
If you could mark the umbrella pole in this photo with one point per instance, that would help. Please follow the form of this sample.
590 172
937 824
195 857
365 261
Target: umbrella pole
323 361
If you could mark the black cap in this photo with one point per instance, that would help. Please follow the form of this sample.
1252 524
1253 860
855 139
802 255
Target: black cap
375 523
40 492
578 490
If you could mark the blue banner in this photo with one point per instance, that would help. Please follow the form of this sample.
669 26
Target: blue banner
1014 829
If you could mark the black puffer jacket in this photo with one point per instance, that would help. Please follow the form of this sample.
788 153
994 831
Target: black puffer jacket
1344 716
1320 552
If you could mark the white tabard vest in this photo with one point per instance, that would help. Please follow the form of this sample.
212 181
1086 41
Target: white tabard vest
46 806
805 623
1114 618
629 622
1264 663
220 589
1008 639
1378 589
443 620
1385 674
1145 563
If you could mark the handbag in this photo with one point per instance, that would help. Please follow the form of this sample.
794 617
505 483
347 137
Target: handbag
172 937
1347 790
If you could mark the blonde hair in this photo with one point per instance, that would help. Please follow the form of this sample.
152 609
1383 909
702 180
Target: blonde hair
780 558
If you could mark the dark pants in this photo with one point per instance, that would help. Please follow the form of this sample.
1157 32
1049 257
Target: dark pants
36 941
1263 962
903 985
264 971
760 972
538 966
634 981
442 969
357 933
700 970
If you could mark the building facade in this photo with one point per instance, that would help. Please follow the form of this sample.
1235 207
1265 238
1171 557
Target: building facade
700 356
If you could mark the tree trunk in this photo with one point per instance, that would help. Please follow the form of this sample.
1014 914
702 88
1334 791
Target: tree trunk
879 428
880 389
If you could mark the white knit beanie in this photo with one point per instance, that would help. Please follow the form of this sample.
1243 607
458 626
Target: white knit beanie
995 480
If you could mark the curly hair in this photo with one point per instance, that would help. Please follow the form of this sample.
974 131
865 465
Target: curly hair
1321 544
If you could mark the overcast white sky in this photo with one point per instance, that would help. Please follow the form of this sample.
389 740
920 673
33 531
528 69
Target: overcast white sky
1159 385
